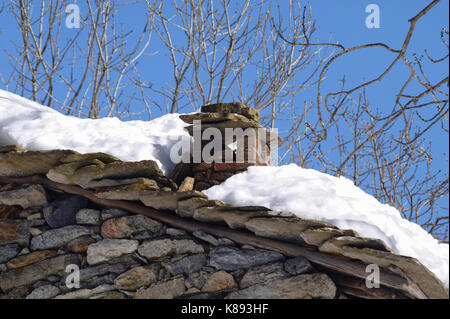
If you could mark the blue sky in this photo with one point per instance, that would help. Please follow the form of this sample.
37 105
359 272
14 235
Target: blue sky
344 22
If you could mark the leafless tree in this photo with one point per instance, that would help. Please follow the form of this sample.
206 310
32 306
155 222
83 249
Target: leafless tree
92 66
257 53
387 153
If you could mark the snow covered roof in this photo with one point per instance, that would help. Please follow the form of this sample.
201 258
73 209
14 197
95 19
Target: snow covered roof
328 215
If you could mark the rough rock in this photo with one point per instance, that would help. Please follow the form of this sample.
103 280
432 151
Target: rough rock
298 265
186 265
44 292
187 184
88 216
166 200
77 157
130 191
137 277
35 272
285 228
14 231
317 236
220 280
197 279
86 274
123 227
166 290
206 237
234 218
213 117
86 293
430 285
231 258
8 252
58 237
235 107
88 173
113 213
80 244
28 196
175 232
30 163
187 207
156 249
11 212
62 212
110 248
262 274
334 245
297 287
31 258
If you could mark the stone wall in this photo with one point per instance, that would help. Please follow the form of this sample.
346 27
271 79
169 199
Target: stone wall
255 148
59 208
123 255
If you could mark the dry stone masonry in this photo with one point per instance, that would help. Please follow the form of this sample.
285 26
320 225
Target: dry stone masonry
121 255
224 116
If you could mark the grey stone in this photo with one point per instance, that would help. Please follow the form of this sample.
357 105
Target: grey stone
86 274
35 232
186 265
8 252
59 237
175 232
86 293
14 231
166 290
197 279
30 163
187 207
231 258
18 293
261 274
138 277
206 237
44 292
235 107
96 281
38 271
86 173
155 249
88 216
113 213
110 248
296 287
62 212
124 227
113 294
298 265
166 200
28 196
284 228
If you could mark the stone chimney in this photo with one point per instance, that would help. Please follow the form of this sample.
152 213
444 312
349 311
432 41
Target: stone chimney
243 142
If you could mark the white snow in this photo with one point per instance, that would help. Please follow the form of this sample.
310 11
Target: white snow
36 127
314 195
304 192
